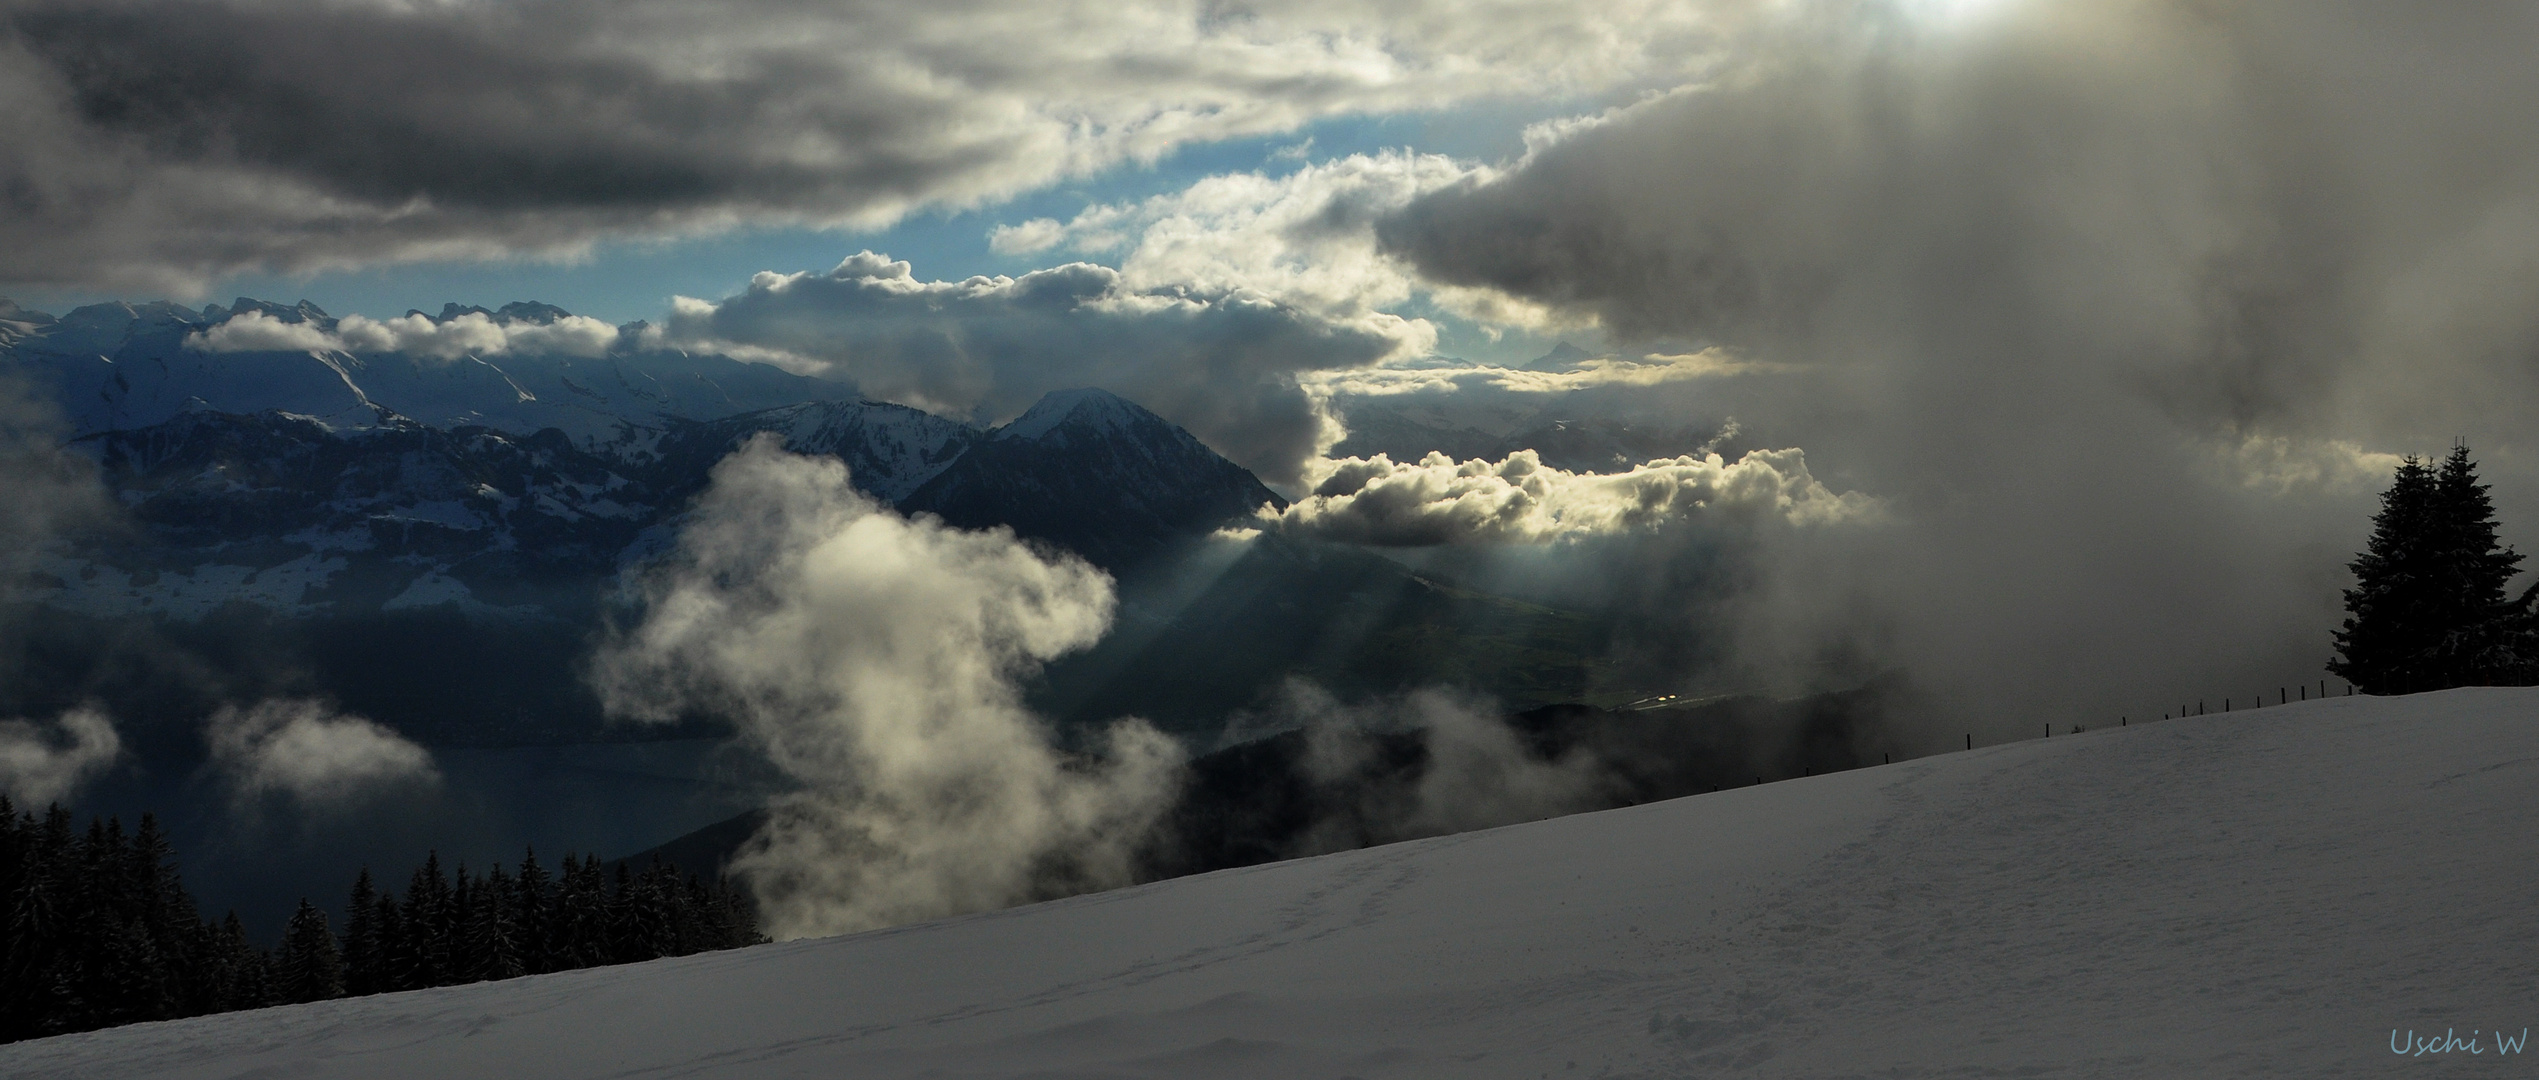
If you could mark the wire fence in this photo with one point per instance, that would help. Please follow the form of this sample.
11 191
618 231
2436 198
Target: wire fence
2286 694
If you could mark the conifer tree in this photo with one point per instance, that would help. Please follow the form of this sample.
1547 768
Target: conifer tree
396 962
2427 610
462 965
308 967
2482 646
532 898
234 970
490 941
427 926
362 974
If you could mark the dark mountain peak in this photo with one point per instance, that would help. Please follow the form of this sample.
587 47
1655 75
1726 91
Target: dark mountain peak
1097 474
531 311
1088 409
116 314
453 310
1563 357
888 449
303 311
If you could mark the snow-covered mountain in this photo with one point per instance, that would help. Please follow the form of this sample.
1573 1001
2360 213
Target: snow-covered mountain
121 366
498 460
889 450
2304 891
1094 473
291 513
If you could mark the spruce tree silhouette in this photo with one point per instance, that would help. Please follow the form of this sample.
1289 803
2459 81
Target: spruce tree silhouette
2427 610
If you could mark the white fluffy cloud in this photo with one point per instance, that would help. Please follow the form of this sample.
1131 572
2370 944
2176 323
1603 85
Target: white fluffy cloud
1305 238
877 660
162 141
470 333
1519 500
41 763
1433 377
311 753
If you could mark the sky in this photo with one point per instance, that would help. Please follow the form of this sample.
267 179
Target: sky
2054 352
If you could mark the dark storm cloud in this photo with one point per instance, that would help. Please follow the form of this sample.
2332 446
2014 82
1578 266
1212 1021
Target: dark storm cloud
338 133
2111 302
159 142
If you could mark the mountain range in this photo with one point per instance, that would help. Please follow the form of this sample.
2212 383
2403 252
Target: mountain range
324 480
432 539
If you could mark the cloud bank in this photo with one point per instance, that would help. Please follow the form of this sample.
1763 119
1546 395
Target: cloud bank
2114 304
1302 238
311 754
1519 500
165 142
469 333
42 763
1222 365
877 661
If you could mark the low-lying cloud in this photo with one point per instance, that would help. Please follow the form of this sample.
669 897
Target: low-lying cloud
469 333
1519 500
43 762
311 754
49 489
1222 365
1475 771
2118 307
877 661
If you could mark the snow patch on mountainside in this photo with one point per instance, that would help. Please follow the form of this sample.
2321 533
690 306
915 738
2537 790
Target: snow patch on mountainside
435 589
119 367
1100 410
2280 892
99 589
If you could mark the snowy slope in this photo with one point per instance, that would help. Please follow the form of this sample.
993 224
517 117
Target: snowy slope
2257 894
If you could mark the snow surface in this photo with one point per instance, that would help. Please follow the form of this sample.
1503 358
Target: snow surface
2263 893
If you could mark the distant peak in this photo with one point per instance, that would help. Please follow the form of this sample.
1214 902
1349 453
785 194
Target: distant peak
1563 357
531 311
303 311
1087 406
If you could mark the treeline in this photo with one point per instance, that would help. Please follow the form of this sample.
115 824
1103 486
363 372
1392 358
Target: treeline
100 930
